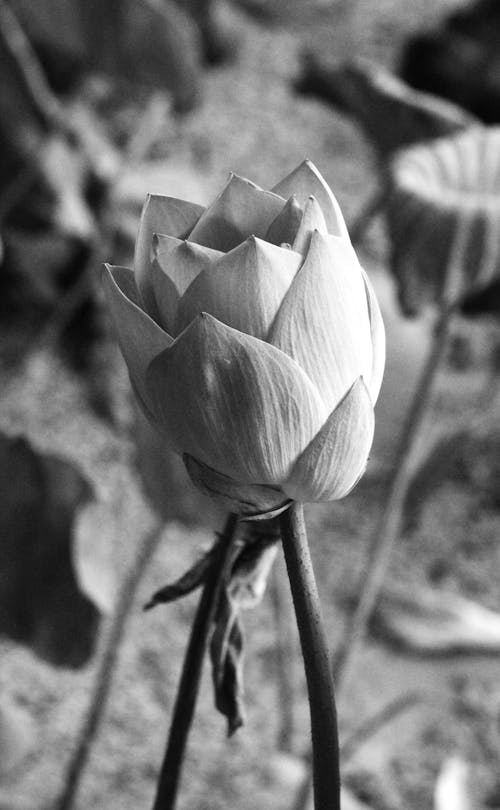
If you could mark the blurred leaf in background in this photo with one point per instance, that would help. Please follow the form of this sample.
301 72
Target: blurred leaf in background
41 602
16 736
153 43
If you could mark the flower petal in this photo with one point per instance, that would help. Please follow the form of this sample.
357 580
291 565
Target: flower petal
312 220
245 288
140 338
182 260
160 214
240 210
176 264
284 228
306 180
336 458
234 402
377 331
323 321
166 296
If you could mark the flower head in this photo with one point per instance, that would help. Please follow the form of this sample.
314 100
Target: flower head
254 340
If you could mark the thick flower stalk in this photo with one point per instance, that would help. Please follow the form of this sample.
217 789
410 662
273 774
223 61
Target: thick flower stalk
254 340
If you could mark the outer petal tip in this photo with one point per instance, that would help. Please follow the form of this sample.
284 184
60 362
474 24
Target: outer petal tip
306 180
336 458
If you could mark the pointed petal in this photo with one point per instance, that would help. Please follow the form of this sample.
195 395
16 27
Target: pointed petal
176 264
160 214
240 210
140 338
377 331
323 321
312 220
244 290
182 260
306 180
284 228
336 458
166 296
234 402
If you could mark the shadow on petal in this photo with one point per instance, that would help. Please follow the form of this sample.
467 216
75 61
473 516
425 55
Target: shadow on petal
312 220
284 228
160 214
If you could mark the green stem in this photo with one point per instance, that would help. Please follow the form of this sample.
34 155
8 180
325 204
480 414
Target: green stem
325 744
168 784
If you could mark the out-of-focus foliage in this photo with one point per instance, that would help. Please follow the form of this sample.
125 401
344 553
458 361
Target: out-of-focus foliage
470 457
460 60
426 622
165 481
373 96
41 601
16 736
149 43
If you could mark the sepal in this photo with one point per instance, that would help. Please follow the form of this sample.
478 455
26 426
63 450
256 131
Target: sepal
250 501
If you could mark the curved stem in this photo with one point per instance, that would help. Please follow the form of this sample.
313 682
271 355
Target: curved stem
387 529
325 745
105 673
170 773
388 526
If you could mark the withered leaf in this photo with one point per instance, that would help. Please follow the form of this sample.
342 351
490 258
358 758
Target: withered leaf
226 652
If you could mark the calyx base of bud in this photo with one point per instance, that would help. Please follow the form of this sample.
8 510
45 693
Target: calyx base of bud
250 501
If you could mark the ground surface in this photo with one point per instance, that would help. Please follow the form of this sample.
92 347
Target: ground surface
253 124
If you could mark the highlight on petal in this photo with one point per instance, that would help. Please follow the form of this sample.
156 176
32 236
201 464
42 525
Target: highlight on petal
306 180
323 321
312 220
255 501
242 209
284 228
160 214
377 330
233 402
140 338
175 266
244 289
336 458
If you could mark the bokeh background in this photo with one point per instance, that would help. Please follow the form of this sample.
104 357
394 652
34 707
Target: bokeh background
101 103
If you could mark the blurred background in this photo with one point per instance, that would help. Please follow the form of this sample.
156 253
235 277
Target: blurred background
101 103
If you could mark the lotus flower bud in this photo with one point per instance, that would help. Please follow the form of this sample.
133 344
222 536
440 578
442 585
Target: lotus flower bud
444 218
254 340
